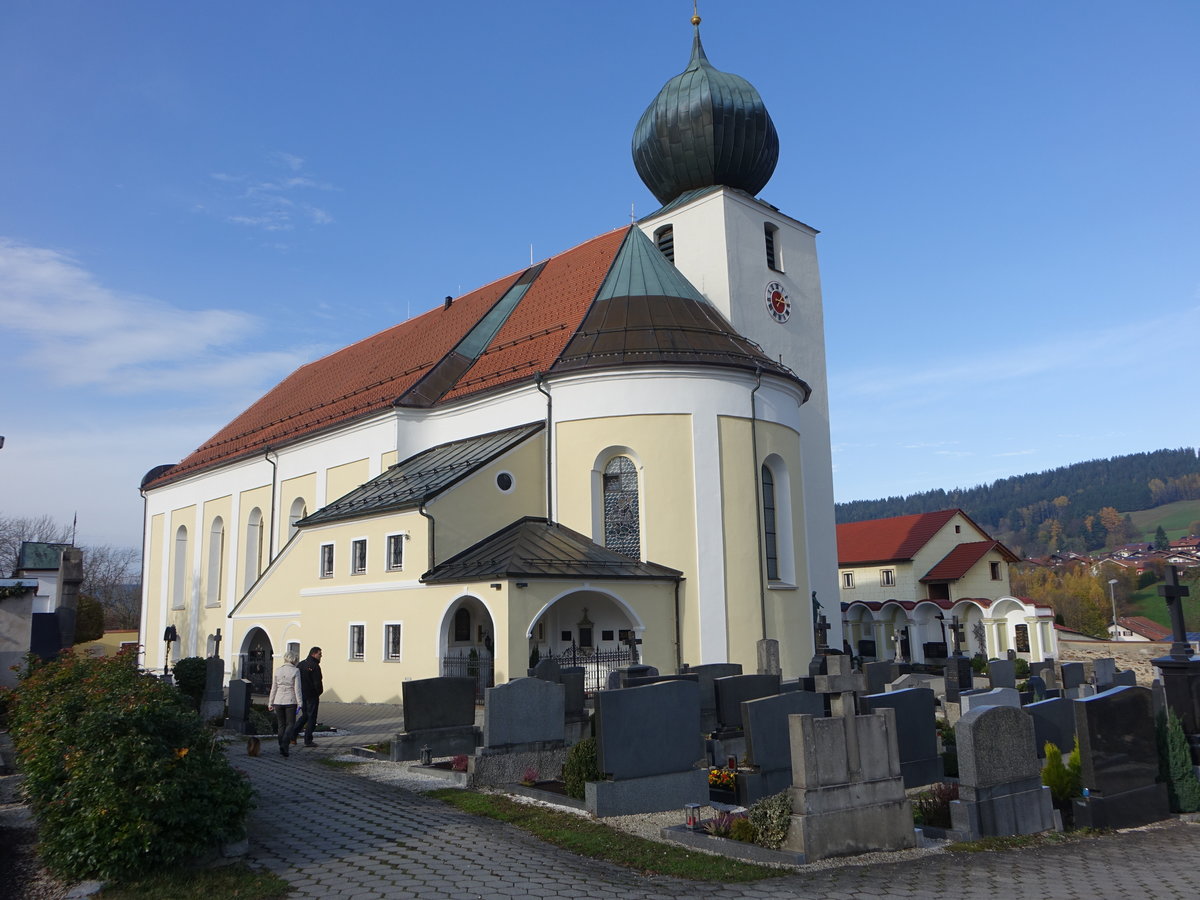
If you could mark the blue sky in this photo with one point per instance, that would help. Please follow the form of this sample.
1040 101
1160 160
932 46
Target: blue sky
195 198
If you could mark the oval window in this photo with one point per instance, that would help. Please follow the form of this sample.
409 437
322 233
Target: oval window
504 481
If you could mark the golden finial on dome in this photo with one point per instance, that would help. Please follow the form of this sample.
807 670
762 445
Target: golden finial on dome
695 13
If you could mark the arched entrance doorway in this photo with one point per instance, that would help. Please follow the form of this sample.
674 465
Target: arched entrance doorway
256 661
467 643
590 629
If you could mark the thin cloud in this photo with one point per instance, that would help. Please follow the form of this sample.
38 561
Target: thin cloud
271 204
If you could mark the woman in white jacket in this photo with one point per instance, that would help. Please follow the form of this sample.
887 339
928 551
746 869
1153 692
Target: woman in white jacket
285 696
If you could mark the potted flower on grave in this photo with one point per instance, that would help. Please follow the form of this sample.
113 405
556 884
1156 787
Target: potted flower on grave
722 785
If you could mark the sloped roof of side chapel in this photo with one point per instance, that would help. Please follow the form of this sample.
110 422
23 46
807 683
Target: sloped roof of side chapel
613 301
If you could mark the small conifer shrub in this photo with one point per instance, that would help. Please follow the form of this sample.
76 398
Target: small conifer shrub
581 767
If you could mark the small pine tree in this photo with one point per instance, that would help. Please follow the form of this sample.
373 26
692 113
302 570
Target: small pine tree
1160 539
1175 765
1062 779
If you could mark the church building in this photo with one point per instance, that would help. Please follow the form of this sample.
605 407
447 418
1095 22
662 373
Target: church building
620 452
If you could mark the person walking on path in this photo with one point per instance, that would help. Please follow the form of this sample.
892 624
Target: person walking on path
286 691
311 689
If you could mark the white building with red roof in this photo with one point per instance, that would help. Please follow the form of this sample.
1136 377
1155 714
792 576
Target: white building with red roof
628 441
905 580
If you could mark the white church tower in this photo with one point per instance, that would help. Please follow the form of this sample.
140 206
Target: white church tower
705 147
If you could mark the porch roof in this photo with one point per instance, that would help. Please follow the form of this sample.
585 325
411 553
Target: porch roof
532 547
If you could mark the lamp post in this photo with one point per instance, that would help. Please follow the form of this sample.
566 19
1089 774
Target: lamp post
1112 593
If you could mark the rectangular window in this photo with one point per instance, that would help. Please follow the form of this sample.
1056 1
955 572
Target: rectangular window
995 571
847 580
395 552
887 577
606 635
565 637
358 556
327 560
358 637
770 233
391 642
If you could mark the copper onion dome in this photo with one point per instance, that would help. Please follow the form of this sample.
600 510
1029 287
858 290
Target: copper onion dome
706 127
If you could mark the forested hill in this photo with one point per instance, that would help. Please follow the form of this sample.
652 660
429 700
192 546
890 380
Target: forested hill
1071 507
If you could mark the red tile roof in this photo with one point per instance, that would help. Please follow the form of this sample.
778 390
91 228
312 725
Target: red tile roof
888 540
958 562
1147 628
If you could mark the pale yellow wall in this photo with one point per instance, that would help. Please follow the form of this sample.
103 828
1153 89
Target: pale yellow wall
389 459
186 518
222 507
257 498
152 619
868 588
341 480
476 508
788 611
302 486
943 542
662 446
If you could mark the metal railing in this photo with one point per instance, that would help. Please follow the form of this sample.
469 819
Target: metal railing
480 667
596 664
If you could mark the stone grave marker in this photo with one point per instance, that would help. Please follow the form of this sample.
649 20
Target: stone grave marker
935 683
880 675
1002 673
1103 673
617 676
959 677
1119 751
523 711
768 742
1000 786
658 679
1072 675
734 690
708 693
768 657
1124 678
916 732
212 701
1053 721
648 740
546 669
240 693
438 713
994 697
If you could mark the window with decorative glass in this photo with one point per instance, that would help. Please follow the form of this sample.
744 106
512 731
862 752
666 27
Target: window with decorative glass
770 538
622 520
327 560
391 641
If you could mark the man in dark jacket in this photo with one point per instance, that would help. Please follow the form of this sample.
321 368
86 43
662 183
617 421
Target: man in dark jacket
310 689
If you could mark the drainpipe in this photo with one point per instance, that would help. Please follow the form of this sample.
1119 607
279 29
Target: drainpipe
142 578
762 586
432 524
271 522
538 379
678 632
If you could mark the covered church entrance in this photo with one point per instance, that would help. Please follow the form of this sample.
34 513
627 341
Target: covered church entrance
590 629
468 643
256 660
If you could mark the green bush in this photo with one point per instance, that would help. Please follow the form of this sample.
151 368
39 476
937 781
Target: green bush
932 807
261 721
771 818
1021 667
581 767
1175 765
1062 779
121 776
978 663
743 830
190 674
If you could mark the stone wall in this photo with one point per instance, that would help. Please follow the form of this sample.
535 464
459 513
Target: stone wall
1134 655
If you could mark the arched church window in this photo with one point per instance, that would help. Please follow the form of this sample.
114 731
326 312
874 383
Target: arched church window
622 520
462 625
216 562
254 547
179 569
770 528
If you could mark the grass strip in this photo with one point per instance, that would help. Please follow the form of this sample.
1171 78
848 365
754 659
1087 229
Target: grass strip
237 880
586 837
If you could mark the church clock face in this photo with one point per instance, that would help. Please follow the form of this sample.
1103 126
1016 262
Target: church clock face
779 305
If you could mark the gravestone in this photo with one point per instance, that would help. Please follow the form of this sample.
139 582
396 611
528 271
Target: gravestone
578 719
734 690
524 728
847 791
1072 675
1125 678
546 669
1002 673
1103 672
617 676
240 693
935 683
866 649
994 697
657 679
648 740
959 677
880 675
768 742
768 657
1119 754
212 701
1053 721
1000 786
708 692
438 713
916 732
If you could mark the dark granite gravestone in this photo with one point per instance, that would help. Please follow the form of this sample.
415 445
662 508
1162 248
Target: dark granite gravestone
1125 678
1038 668
708 693
1119 751
959 677
734 690
866 649
617 676
916 732
1072 675
523 711
658 679
1000 779
768 742
572 680
239 705
1103 672
935 650
1053 721
444 702
212 702
880 675
1002 673
546 669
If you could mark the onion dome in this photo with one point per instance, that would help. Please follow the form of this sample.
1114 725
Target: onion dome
706 127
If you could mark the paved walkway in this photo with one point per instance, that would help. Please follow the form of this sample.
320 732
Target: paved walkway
331 833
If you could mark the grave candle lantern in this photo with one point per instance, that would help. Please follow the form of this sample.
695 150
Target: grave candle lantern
691 816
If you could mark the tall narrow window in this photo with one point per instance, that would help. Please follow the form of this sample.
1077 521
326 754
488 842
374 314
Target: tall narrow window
179 566
254 547
771 235
462 625
216 562
391 642
995 567
847 580
327 560
887 577
358 556
664 239
358 637
622 522
395 552
770 532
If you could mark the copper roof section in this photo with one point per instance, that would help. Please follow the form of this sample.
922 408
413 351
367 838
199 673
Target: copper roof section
958 562
535 548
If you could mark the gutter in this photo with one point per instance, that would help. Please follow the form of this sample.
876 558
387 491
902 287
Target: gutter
538 379
274 487
762 586
432 526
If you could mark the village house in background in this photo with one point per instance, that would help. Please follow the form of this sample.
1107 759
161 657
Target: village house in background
904 580
38 604
622 449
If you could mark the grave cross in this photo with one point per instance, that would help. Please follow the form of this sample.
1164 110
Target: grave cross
632 643
1173 592
170 635
217 643
958 628
821 628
